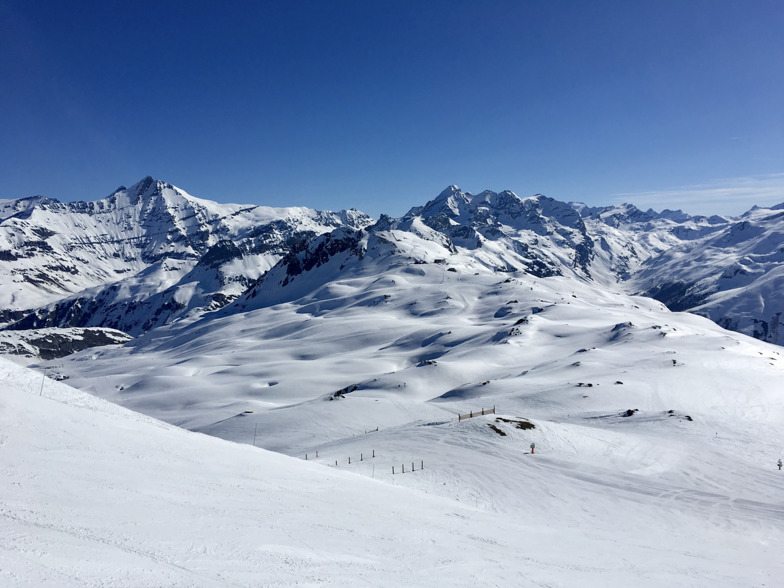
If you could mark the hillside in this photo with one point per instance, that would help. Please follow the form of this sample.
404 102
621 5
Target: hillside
434 339
100 496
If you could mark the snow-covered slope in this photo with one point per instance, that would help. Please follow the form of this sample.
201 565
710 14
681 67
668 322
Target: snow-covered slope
393 311
100 496
97 495
735 275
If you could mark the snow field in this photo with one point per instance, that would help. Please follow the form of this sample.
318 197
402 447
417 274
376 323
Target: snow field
98 495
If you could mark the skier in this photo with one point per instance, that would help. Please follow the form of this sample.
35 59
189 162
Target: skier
779 464
534 445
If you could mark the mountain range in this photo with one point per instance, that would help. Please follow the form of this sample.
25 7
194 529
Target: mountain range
152 254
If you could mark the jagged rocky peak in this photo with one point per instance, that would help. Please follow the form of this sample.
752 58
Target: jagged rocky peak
498 200
452 202
562 212
144 185
539 213
456 204
354 218
149 189
146 188
450 192
149 186
143 190
351 218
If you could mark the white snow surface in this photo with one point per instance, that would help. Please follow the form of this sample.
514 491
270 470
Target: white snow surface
96 495
682 492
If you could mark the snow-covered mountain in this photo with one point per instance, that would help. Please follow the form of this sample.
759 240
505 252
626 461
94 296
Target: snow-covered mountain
733 275
141 257
357 352
150 254
726 269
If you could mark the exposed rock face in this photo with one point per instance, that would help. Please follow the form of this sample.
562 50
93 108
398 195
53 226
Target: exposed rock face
56 343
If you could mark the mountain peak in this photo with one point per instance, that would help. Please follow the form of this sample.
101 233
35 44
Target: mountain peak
498 200
450 202
451 190
147 185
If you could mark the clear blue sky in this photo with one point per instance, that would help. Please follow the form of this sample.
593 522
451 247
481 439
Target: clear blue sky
380 105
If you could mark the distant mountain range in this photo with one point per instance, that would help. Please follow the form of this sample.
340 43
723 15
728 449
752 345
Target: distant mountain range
151 254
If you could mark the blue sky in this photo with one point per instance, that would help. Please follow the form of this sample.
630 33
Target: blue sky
381 105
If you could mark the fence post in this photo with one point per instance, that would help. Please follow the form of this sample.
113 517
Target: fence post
393 470
404 468
317 454
423 464
361 457
471 414
412 467
349 459
374 453
306 457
